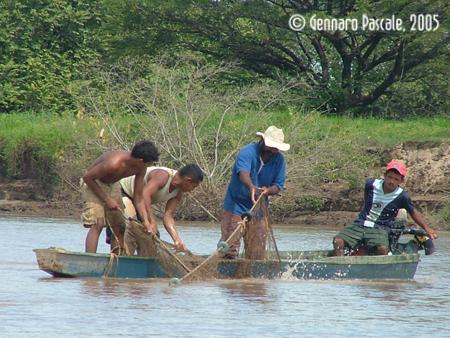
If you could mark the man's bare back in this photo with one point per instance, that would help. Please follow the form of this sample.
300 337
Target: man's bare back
108 169
113 166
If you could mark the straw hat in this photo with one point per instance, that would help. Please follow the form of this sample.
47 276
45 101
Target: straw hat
274 137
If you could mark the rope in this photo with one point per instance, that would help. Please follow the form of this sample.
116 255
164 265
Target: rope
117 241
109 266
270 232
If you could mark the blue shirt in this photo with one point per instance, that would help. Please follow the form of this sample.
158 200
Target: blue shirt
380 209
237 198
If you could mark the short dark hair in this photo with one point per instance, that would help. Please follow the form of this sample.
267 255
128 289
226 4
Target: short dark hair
193 171
145 150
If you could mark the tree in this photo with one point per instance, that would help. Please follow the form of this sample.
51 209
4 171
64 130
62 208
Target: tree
44 45
348 69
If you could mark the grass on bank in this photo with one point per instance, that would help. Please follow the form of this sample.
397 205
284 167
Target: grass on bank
46 137
379 132
56 149
51 134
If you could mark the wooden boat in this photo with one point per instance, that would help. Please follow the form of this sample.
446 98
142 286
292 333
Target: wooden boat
294 264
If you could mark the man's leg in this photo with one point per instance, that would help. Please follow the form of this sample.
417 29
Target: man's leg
146 245
117 224
116 221
379 240
93 235
339 245
139 241
129 240
350 236
228 225
92 217
255 239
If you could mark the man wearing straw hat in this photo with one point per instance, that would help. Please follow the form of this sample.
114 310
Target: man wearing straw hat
259 168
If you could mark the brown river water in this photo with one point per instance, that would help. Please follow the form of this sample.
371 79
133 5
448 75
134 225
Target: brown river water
34 304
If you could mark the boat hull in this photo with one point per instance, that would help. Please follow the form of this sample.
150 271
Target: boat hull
294 264
62 263
321 265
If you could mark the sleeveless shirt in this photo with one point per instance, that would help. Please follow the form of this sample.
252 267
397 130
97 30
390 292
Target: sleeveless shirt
162 195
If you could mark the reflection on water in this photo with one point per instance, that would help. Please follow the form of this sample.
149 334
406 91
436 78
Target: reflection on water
33 303
109 287
252 291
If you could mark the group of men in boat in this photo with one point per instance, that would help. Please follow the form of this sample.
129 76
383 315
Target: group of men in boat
125 185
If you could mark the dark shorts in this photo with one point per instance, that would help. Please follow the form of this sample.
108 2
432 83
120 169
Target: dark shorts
355 235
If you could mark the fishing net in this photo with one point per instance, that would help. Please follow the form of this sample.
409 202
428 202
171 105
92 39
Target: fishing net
259 248
139 241
175 264
185 265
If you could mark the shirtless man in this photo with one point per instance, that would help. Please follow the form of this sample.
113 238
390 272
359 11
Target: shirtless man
162 185
101 190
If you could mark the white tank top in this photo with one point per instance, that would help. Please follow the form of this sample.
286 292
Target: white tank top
162 195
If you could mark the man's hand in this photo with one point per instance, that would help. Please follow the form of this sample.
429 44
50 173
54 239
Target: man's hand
152 228
431 233
264 191
256 192
112 204
179 246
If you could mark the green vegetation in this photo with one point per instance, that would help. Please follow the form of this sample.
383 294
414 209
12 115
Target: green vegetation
200 77
33 146
47 49
387 132
40 146
445 215
44 46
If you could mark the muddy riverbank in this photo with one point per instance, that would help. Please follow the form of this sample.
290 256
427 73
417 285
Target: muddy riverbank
427 181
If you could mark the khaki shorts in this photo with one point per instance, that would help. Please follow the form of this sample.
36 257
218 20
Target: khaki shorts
94 208
355 235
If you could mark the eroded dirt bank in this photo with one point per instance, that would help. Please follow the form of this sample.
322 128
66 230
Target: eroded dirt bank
428 182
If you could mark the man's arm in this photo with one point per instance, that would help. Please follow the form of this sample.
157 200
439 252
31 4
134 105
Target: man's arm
169 222
97 172
245 178
138 199
155 181
278 181
419 219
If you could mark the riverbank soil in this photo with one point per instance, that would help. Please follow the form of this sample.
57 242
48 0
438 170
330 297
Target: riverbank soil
428 182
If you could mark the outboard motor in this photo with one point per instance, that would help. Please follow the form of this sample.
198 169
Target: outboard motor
423 241
420 241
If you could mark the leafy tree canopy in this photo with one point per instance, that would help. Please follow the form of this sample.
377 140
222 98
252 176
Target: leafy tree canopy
44 45
345 69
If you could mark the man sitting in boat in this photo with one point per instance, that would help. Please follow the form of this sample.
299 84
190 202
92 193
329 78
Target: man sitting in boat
382 200
162 185
101 190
